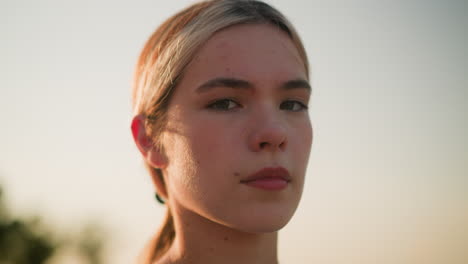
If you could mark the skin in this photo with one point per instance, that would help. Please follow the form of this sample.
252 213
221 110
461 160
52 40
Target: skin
218 135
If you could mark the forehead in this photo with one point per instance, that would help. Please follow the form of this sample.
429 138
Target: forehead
258 53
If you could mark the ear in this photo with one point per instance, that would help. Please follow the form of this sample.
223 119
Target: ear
145 144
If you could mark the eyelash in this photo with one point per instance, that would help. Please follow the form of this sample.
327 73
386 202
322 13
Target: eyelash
216 105
302 106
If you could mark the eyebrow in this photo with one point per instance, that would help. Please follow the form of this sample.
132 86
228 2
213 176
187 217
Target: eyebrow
242 84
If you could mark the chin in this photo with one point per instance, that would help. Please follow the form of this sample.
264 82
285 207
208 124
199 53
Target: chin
263 220
261 227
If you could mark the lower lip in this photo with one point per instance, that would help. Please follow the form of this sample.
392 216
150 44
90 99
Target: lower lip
268 184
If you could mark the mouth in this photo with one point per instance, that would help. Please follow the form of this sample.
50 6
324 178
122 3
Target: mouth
273 179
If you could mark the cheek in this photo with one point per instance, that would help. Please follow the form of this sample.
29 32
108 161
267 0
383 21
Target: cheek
198 154
214 152
181 165
302 142
309 135
214 139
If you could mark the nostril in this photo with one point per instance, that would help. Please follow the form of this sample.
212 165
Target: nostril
263 144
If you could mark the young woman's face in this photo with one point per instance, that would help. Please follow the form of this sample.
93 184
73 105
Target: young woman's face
238 135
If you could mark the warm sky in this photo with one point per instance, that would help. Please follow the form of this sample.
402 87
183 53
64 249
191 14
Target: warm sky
388 175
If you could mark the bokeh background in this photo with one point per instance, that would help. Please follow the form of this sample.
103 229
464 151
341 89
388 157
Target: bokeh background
388 175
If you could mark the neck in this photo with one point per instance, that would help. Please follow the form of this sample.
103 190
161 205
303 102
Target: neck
200 240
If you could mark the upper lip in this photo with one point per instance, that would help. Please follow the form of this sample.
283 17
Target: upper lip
269 173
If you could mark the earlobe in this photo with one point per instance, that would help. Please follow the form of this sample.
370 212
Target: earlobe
153 156
144 142
156 158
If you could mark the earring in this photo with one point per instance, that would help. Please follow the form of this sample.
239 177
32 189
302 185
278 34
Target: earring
159 199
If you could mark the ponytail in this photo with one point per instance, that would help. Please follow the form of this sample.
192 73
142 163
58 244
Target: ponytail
163 239
160 243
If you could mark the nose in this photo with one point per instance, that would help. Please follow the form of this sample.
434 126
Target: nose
268 134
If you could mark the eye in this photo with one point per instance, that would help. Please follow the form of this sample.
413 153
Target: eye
293 105
223 105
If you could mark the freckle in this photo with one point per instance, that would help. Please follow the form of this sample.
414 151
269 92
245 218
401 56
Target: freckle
222 44
236 174
226 238
211 249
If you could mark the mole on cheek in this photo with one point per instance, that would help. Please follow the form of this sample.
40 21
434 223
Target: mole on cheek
236 174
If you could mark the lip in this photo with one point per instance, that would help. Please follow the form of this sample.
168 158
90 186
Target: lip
272 178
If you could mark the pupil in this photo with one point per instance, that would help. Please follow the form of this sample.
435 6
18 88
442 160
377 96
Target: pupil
288 105
224 104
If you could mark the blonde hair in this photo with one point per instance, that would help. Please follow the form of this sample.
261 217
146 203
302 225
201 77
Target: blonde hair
166 55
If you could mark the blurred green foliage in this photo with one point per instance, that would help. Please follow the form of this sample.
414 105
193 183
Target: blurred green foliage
29 241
